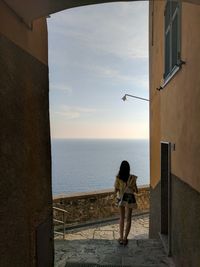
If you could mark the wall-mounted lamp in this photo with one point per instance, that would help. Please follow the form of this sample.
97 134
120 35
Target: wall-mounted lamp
124 98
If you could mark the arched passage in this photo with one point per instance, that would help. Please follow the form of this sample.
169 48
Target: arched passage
30 10
26 215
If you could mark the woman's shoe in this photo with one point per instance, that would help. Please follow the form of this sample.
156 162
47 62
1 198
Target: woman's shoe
120 241
125 242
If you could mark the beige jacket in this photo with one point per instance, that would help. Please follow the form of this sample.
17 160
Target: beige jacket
131 185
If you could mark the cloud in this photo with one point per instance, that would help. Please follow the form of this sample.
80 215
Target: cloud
109 41
98 52
116 75
126 24
70 112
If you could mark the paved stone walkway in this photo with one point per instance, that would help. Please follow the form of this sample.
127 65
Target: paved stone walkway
97 245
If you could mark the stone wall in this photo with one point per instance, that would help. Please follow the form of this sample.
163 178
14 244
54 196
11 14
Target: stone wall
92 206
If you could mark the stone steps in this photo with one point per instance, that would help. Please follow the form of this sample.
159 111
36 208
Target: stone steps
108 253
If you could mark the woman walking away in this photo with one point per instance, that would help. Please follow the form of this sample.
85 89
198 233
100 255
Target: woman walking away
125 187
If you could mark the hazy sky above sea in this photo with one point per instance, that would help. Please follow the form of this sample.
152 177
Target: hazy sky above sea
97 54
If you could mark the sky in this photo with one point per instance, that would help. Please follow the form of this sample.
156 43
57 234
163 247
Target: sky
97 54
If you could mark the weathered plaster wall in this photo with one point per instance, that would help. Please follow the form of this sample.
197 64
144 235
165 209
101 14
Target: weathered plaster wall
92 206
25 169
25 161
177 114
155 74
180 109
185 224
175 109
156 11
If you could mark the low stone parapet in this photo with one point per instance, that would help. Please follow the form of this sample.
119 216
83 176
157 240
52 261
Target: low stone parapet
93 206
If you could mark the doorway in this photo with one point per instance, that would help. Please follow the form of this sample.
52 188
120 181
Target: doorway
166 194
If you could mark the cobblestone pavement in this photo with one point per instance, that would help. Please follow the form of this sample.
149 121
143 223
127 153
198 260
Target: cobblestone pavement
98 245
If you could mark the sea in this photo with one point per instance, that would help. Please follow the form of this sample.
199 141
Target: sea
84 165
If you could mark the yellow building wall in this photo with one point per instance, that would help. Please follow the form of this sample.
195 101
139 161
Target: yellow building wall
175 109
175 118
180 121
155 74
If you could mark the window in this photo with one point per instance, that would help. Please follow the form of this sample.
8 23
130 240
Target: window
172 38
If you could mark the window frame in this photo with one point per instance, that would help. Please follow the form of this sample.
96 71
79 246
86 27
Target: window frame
173 69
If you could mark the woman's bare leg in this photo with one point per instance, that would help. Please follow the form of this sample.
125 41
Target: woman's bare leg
128 223
121 222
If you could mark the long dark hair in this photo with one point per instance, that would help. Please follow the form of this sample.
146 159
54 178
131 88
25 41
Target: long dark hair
124 171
